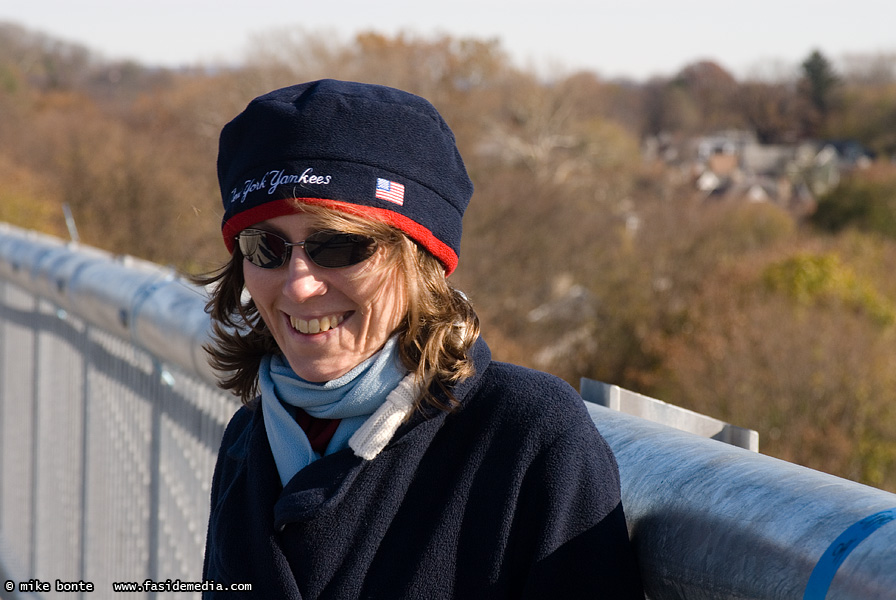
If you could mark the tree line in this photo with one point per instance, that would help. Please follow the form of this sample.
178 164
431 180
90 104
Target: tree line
583 258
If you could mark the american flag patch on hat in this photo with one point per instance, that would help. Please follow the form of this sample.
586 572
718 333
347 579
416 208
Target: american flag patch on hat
389 190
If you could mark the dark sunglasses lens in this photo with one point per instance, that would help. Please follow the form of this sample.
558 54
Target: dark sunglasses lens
333 250
263 249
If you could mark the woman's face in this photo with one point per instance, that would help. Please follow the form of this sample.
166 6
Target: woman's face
325 321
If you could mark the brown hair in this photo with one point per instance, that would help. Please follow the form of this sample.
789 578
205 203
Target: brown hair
434 337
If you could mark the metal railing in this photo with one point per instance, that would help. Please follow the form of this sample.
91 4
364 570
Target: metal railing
613 396
710 520
110 423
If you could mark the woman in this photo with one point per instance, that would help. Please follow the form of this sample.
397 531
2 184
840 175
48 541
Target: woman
380 452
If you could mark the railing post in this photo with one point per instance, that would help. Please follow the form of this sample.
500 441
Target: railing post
85 464
35 446
155 464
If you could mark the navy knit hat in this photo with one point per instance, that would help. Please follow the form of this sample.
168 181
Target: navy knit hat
364 149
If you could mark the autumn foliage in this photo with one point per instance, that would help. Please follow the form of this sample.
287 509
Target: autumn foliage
583 257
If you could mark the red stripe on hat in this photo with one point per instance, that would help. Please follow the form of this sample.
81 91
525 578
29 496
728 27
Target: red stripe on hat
253 216
286 206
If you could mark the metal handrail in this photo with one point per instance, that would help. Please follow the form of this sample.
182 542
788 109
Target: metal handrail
144 303
710 520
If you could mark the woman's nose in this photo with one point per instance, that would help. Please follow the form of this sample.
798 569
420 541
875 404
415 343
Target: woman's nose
303 279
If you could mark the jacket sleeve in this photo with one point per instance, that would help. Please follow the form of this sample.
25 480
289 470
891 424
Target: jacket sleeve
571 502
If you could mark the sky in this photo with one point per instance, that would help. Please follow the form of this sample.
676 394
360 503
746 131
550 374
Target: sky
624 38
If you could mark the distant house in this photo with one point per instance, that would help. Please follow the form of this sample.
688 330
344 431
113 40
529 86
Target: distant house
729 142
767 159
851 154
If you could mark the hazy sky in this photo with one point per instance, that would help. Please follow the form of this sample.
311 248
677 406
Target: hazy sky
635 38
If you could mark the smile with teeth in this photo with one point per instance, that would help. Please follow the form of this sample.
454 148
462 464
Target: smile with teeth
316 325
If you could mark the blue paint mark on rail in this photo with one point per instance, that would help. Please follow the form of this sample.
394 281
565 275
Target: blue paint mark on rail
833 557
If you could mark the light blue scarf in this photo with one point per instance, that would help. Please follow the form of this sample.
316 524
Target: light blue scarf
352 398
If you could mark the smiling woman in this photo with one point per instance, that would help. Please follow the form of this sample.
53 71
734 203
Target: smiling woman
381 453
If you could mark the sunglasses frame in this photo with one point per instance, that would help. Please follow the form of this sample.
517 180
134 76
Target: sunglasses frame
288 246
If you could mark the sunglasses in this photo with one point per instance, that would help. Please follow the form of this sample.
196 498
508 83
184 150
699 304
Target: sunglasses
327 249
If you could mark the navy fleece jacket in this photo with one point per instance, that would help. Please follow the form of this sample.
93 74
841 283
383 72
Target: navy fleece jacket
514 495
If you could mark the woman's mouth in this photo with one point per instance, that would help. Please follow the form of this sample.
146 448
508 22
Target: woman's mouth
317 325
